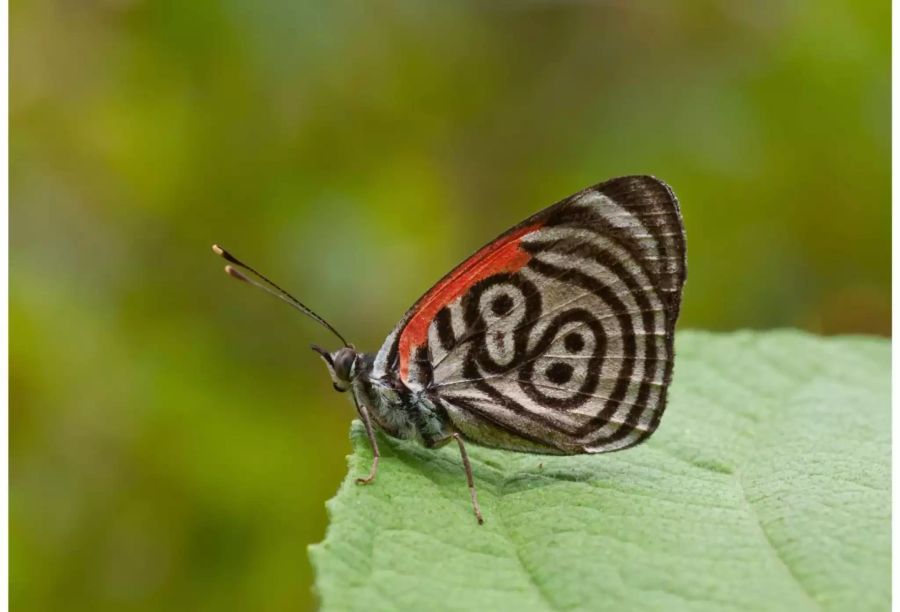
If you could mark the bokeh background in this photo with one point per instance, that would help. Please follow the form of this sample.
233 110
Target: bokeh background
173 438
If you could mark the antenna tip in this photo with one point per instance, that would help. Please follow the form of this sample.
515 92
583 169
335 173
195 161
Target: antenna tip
234 273
225 254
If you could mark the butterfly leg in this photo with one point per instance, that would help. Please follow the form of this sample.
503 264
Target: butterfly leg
469 478
367 421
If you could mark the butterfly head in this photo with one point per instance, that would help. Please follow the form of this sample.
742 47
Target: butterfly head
343 365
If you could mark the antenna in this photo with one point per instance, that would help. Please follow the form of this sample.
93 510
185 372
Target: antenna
261 282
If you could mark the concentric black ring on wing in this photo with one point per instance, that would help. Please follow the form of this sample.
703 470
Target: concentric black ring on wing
475 313
560 372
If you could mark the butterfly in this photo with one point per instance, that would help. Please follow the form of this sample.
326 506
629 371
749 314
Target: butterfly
554 338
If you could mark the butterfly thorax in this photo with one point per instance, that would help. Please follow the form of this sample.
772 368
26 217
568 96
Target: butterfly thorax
399 411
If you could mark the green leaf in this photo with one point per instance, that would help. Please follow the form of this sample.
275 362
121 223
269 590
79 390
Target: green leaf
766 487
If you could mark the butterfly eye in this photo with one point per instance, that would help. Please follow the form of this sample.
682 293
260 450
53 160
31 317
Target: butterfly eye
343 363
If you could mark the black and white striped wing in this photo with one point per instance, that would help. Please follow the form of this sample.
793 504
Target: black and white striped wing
561 341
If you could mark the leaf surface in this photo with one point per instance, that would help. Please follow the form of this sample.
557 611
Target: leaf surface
767 486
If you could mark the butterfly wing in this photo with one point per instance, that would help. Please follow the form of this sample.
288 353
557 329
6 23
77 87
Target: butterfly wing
557 336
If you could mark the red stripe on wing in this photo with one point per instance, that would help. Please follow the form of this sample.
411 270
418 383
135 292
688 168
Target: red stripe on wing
502 255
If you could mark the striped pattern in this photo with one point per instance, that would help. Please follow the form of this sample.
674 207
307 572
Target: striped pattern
565 344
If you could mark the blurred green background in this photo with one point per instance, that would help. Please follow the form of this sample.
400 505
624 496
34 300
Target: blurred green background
173 438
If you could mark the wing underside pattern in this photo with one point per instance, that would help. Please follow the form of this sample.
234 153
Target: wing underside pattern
562 341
